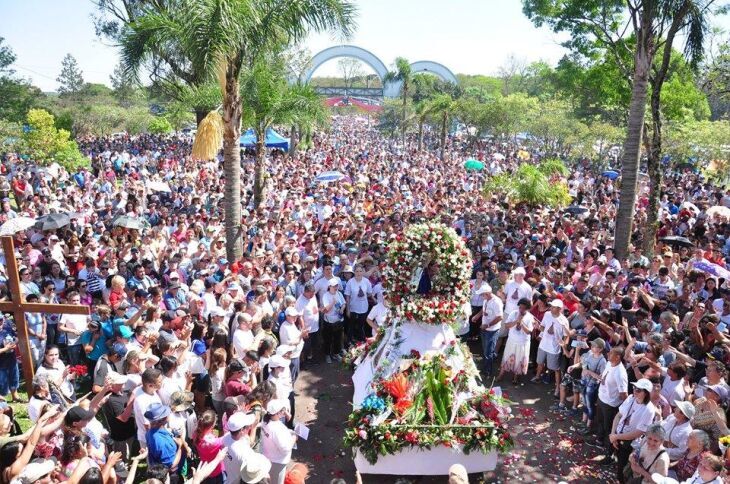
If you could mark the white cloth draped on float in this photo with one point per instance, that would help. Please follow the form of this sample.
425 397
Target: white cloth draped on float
398 341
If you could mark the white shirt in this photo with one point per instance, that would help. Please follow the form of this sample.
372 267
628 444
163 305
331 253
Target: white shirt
677 434
550 343
242 341
277 442
322 285
169 386
635 416
492 309
309 309
528 322
336 314
673 391
238 452
379 314
142 402
358 293
78 322
614 381
462 321
513 292
477 299
289 334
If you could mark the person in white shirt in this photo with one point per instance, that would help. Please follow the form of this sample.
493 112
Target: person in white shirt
634 416
378 316
357 292
291 335
277 441
145 396
237 442
322 283
333 308
242 337
677 428
516 356
514 290
491 317
612 391
673 383
308 308
554 329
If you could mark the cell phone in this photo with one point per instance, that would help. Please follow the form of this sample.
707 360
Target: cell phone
722 327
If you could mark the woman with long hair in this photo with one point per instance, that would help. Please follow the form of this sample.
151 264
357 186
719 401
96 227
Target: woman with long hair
217 372
208 444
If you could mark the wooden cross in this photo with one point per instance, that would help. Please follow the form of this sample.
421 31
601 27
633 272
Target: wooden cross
18 307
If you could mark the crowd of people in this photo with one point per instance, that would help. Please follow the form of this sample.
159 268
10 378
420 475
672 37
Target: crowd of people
192 359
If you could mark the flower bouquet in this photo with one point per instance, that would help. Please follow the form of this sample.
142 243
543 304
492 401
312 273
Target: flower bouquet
78 370
724 443
427 405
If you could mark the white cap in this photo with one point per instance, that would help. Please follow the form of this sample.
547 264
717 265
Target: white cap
686 408
485 289
218 311
277 361
34 471
334 282
276 405
281 350
644 384
291 311
116 378
519 270
557 303
239 420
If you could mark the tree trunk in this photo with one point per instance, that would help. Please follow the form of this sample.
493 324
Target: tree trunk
232 165
259 184
632 145
293 140
655 174
443 136
404 114
199 116
420 136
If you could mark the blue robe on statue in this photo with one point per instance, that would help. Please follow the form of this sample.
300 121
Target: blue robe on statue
424 285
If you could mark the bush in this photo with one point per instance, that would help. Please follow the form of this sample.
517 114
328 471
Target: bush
160 125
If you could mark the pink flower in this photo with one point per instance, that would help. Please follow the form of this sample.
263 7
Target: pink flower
363 435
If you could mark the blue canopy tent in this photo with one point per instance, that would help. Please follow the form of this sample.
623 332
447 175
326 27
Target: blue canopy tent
273 139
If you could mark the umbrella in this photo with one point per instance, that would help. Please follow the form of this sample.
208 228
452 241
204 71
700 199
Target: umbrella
329 176
576 210
15 225
158 186
712 269
677 240
52 221
498 156
610 174
720 210
128 222
690 206
474 165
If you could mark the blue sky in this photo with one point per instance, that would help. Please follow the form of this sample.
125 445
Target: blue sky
468 36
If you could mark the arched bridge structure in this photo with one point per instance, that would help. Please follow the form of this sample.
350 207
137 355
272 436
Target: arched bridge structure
390 89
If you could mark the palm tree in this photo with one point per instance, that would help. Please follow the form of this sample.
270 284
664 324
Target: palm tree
423 111
404 75
656 24
442 107
268 99
221 38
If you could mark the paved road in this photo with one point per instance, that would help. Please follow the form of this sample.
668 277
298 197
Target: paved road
547 449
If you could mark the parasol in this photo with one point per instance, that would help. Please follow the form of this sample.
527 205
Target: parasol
128 222
158 186
329 177
473 165
52 221
676 240
719 210
610 174
15 225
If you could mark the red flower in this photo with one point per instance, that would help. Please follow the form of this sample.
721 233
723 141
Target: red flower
397 386
402 405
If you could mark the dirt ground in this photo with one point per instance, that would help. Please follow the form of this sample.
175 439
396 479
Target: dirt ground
547 448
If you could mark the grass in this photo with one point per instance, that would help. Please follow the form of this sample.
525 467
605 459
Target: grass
20 410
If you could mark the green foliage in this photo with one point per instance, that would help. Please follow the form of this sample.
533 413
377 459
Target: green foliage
11 136
17 96
70 80
124 85
683 100
534 185
45 143
160 125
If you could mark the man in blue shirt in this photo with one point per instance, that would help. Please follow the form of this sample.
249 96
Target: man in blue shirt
163 447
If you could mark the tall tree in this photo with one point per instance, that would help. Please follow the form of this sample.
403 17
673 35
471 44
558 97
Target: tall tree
17 95
221 38
643 30
402 74
268 99
71 79
442 107
350 69
123 84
